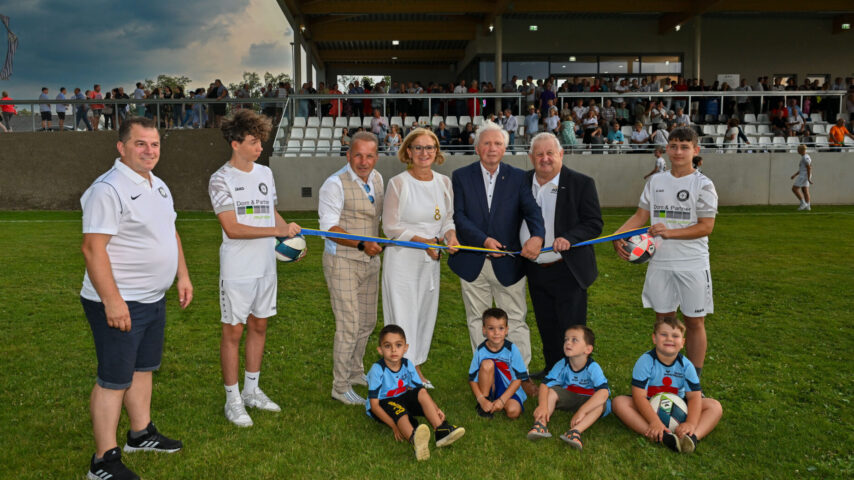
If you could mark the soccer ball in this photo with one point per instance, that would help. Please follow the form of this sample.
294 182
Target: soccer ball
640 248
290 249
671 409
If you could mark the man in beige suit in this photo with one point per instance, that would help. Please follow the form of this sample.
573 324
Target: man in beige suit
351 201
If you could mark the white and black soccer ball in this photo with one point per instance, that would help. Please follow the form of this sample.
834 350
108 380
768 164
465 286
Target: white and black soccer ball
670 408
640 248
290 249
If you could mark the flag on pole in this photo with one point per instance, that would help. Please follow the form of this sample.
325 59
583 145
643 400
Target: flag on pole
10 52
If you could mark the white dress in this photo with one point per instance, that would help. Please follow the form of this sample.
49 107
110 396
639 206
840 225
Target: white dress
410 278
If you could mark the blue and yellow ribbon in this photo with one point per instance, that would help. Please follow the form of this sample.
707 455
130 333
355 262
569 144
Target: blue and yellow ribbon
424 246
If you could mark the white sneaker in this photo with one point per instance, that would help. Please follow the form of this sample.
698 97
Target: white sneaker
360 380
348 398
807 207
235 412
802 207
259 400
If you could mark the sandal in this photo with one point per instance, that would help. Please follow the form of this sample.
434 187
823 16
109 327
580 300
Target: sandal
573 438
538 431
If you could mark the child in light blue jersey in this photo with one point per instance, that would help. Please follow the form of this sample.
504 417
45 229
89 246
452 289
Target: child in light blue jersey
665 369
577 383
396 395
497 369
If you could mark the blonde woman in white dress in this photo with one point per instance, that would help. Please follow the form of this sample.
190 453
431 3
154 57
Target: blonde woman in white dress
419 207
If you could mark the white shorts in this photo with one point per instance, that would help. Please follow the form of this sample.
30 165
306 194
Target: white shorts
690 291
240 298
802 181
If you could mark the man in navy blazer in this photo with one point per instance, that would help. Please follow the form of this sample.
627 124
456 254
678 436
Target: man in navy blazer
558 280
490 201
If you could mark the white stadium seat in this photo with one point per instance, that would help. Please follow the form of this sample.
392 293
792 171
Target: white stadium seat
763 118
764 130
749 118
396 120
323 147
464 119
299 122
313 122
819 128
749 129
311 133
327 122
816 118
354 122
325 133
308 147
366 122
341 122
451 121
434 122
297 133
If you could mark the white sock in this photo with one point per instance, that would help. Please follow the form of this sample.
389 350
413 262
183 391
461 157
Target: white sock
232 393
250 382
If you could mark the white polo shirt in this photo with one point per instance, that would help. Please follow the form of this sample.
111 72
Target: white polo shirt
140 217
546 197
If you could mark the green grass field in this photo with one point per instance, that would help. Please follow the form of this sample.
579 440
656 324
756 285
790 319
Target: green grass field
780 360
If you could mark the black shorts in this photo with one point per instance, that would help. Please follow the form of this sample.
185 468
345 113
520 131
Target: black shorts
60 115
46 116
403 404
122 353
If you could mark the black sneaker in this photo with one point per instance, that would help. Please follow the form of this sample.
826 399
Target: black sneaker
688 443
153 441
671 441
483 413
110 467
447 434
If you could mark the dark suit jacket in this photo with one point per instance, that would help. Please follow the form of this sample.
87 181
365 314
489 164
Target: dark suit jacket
512 202
577 218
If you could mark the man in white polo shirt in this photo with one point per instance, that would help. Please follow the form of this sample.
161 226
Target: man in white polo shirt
133 254
558 280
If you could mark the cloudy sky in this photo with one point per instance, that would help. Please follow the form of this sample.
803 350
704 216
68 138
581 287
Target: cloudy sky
75 43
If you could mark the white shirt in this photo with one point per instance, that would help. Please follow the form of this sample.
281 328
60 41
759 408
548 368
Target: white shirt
140 216
44 107
138 93
252 197
678 203
660 164
489 183
61 107
331 199
546 197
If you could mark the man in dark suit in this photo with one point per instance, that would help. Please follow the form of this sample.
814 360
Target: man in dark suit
558 280
490 201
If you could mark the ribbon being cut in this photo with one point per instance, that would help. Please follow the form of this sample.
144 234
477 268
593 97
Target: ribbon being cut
424 246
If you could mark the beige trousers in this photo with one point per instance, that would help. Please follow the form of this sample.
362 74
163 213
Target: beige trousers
480 294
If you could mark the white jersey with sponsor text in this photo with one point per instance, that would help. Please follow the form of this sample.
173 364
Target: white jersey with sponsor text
678 202
252 197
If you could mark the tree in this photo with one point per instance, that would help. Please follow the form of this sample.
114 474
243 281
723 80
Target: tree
163 80
275 79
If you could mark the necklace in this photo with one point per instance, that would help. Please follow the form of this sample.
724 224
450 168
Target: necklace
437 215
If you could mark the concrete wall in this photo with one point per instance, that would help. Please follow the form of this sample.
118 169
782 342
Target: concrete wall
50 170
754 179
747 45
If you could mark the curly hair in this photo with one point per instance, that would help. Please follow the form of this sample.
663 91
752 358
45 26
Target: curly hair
246 122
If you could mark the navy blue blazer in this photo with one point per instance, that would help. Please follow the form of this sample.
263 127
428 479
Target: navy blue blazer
512 202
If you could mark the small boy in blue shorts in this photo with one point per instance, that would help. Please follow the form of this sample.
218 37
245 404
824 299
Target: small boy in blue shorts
497 369
396 395
665 369
577 383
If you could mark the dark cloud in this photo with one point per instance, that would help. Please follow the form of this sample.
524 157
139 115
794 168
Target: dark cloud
268 55
120 42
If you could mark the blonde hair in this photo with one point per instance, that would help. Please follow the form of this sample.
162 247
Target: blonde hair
403 152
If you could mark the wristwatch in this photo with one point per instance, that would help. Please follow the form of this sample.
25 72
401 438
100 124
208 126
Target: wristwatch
361 246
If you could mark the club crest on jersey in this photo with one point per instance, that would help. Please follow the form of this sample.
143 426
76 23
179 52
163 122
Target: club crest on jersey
682 195
263 188
162 192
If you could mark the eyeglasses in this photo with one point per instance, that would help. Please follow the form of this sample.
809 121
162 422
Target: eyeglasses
426 148
368 191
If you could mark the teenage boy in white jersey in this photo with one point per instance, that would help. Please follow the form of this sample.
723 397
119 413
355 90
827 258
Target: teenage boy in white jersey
681 205
244 198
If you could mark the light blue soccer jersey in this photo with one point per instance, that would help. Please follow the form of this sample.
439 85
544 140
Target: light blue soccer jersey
583 382
655 377
383 382
508 363
586 381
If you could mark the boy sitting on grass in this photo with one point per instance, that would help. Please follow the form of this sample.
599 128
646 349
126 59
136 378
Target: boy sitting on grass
577 383
396 395
664 369
497 369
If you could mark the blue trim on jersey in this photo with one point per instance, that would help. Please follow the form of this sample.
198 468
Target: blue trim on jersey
384 383
509 355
